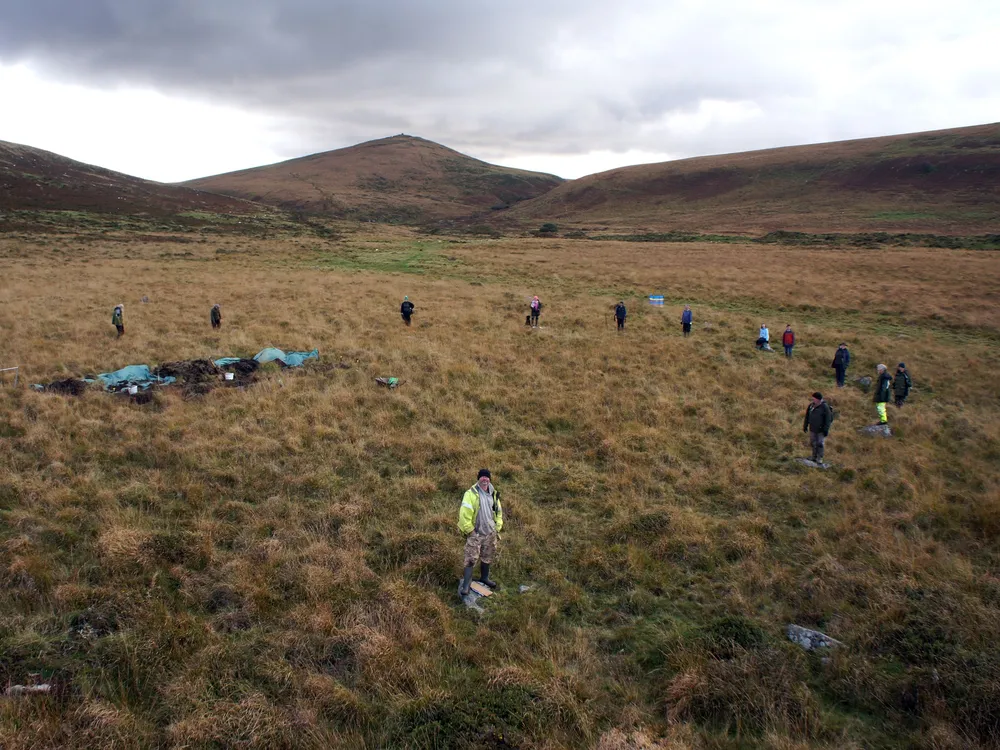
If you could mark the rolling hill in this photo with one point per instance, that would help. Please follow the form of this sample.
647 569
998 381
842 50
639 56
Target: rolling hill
945 181
401 178
35 180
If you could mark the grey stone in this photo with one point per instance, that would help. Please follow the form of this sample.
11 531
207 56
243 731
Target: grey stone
810 640
812 464
523 588
15 690
876 430
865 383
470 600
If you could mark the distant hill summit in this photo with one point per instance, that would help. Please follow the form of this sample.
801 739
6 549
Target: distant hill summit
401 178
942 181
35 180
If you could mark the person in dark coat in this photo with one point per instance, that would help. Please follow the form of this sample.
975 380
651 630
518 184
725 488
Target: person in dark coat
687 317
883 390
788 340
216 316
841 360
620 313
901 384
406 310
819 418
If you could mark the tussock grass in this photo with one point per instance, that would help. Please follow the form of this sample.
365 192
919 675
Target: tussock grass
275 566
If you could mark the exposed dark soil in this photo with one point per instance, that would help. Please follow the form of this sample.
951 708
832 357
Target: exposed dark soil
190 371
244 369
68 387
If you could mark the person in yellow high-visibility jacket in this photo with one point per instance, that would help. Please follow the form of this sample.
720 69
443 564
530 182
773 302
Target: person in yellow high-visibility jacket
480 518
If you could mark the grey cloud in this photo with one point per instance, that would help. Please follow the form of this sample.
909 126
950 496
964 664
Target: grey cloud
517 77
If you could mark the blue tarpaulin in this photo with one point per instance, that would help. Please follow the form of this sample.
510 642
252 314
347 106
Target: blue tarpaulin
288 359
143 377
270 354
139 375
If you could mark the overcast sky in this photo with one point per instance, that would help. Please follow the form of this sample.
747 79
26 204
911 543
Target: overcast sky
176 89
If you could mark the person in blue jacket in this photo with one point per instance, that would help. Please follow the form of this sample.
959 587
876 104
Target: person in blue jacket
686 318
620 313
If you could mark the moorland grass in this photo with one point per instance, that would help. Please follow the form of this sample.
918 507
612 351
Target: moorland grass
276 566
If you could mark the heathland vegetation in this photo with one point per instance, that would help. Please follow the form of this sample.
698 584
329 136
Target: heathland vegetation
941 182
276 566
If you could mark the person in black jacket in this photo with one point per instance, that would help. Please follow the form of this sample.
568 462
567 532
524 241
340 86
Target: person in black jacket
883 389
406 310
819 418
901 384
841 360
620 313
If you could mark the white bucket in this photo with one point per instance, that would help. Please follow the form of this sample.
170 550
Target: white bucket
133 389
229 376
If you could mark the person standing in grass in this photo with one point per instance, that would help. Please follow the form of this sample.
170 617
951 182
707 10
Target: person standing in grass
883 390
620 313
536 310
118 319
788 340
480 518
406 310
686 319
901 384
841 360
216 316
819 418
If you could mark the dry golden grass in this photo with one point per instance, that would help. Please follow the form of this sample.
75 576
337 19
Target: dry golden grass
275 566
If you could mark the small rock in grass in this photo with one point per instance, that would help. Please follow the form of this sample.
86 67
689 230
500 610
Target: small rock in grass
876 430
813 464
810 640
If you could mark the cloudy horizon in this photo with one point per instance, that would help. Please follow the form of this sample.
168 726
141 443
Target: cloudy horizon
174 90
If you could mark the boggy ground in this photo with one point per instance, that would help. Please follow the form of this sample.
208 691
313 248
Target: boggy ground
276 566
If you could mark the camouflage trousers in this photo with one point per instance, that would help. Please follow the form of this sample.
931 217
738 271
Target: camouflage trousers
481 547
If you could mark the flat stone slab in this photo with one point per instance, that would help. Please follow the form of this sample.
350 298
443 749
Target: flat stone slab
810 640
876 430
813 464
477 591
20 690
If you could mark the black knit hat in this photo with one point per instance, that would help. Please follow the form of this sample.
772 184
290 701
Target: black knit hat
484 473
902 364
817 395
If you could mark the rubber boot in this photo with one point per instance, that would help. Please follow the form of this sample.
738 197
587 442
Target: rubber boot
463 587
484 575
